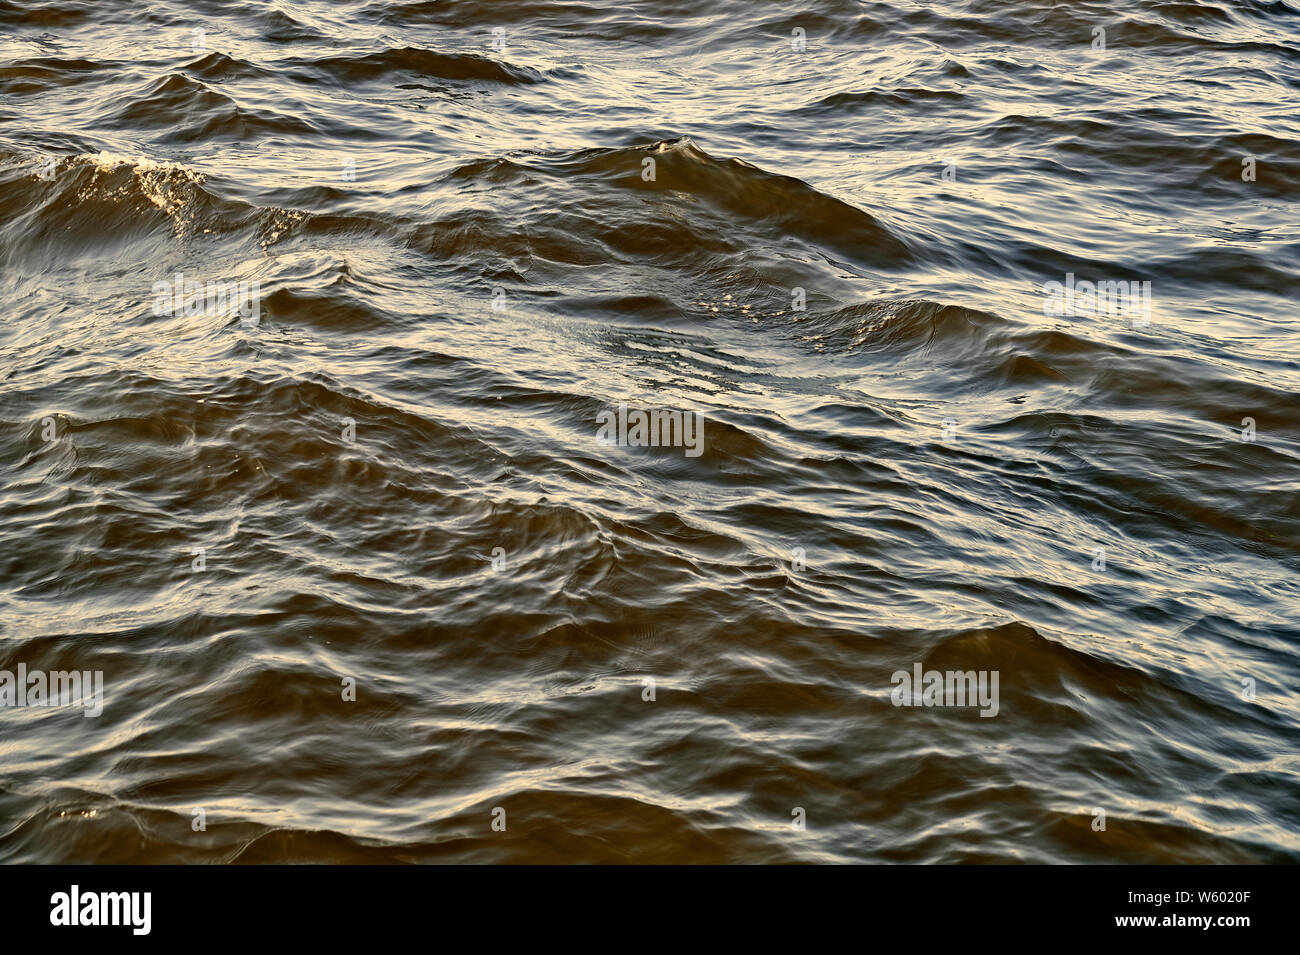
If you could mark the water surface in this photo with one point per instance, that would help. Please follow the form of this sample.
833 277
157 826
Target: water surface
392 476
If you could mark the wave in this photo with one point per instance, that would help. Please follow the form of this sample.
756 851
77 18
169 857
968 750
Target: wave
414 61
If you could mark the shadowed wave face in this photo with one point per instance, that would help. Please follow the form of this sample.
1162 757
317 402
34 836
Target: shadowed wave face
313 311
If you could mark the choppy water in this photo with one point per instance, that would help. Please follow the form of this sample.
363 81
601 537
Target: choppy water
917 467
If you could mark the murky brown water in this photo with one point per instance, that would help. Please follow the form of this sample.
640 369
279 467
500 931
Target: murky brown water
827 230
